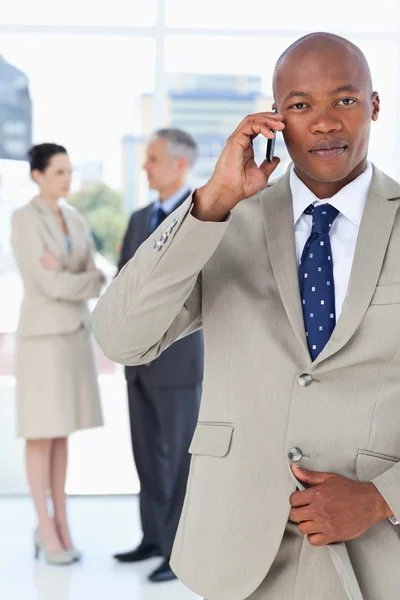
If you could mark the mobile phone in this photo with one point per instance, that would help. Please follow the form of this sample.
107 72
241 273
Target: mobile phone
271 145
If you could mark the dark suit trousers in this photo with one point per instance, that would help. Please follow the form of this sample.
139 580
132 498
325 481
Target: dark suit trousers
163 420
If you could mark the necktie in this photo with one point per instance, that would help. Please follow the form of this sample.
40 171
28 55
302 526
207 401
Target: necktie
158 219
317 287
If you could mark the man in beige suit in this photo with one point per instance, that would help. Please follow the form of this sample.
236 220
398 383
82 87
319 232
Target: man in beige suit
297 287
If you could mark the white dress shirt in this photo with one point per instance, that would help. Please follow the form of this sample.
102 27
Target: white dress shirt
350 203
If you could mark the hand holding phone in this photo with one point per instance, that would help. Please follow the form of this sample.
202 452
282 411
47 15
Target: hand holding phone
271 144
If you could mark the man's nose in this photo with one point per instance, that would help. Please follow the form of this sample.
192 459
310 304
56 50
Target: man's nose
325 121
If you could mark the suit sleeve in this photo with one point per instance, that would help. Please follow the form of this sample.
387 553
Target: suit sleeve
156 298
55 283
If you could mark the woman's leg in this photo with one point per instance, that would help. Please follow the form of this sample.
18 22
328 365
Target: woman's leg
38 453
58 475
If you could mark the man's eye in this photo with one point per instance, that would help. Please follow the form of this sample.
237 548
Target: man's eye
299 105
346 102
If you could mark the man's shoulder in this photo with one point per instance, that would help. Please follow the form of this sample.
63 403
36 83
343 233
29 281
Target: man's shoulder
384 185
140 213
254 202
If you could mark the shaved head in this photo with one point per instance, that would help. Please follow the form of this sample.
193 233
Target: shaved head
323 89
327 43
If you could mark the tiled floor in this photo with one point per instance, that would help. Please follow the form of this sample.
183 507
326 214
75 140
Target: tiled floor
101 527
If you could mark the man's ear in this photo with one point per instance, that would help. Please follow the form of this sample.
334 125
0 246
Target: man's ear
183 163
376 106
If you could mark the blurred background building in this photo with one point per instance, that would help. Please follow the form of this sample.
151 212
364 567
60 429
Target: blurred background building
15 112
209 106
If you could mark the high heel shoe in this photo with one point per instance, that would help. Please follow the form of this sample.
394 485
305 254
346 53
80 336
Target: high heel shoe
52 558
76 554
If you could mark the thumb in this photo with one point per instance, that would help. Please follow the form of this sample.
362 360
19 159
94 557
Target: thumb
311 477
268 168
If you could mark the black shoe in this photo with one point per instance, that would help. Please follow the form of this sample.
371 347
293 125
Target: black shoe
142 552
163 573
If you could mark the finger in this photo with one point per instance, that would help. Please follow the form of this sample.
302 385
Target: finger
259 120
252 130
310 528
268 119
246 136
304 513
311 477
265 115
318 539
269 167
303 498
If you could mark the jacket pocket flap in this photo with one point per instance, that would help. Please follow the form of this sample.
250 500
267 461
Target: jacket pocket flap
212 439
372 464
386 294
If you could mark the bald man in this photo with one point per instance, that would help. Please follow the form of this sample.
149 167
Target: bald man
294 489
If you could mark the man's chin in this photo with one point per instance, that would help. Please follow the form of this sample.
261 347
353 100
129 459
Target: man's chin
328 171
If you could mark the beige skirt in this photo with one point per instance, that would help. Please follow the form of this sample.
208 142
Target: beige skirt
57 388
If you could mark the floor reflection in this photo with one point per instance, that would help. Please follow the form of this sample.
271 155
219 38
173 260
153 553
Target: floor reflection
101 526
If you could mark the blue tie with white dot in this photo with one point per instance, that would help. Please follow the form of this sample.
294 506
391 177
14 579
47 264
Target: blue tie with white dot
317 287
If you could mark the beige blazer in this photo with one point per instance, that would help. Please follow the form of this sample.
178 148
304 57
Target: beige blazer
238 280
54 300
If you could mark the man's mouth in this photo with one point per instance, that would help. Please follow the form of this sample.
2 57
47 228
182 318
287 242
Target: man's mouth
328 149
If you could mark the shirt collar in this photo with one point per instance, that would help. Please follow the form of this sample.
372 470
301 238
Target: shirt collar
168 205
350 200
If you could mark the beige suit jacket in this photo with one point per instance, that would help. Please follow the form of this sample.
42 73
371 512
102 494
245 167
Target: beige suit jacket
238 280
54 300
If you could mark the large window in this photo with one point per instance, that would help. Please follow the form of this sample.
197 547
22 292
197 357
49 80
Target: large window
79 12
266 16
101 77
84 90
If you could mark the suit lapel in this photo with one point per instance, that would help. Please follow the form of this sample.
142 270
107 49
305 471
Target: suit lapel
55 241
373 237
47 219
144 227
277 210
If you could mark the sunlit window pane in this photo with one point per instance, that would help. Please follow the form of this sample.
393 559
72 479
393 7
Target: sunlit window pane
260 14
78 12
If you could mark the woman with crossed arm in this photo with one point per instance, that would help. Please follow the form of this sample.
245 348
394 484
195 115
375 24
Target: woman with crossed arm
57 388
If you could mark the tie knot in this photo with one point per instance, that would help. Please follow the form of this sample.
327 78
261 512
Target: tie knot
323 217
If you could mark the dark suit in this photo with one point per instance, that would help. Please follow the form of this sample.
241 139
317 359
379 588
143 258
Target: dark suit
164 399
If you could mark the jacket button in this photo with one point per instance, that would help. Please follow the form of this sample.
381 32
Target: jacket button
305 380
157 246
295 454
164 238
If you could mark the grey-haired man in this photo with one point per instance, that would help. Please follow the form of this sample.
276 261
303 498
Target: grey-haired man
164 396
